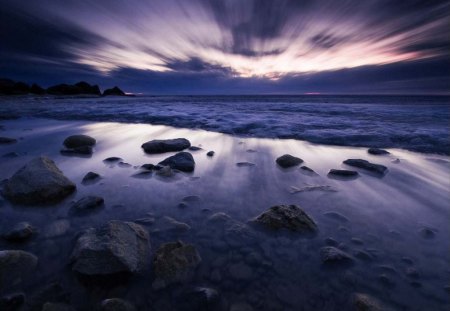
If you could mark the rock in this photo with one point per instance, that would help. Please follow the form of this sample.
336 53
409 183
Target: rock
116 247
364 302
90 178
7 140
219 218
12 302
143 174
210 153
57 306
194 148
245 164
124 164
330 254
87 204
112 160
290 217
182 161
38 182
15 265
58 228
336 216
331 242
36 89
115 91
427 233
10 155
20 232
342 173
165 171
76 141
77 89
241 306
375 168
241 272
145 220
191 198
172 224
288 160
173 263
200 298
148 167
166 145
307 169
84 150
376 151
116 304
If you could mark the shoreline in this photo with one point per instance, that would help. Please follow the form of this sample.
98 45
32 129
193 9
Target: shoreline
381 216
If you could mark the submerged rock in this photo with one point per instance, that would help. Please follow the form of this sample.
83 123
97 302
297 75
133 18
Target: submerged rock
58 228
377 151
148 167
195 148
290 217
83 150
342 173
372 167
210 153
90 178
20 232
308 170
116 304
330 254
165 171
288 160
174 262
10 155
39 182
182 161
12 302
112 160
7 140
199 298
15 265
87 204
166 145
57 306
115 247
364 302
76 141
245 164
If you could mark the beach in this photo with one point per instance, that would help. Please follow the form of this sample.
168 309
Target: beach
393 227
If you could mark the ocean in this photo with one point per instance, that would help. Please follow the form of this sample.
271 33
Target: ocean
416 123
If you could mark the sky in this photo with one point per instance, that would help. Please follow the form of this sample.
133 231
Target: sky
230 46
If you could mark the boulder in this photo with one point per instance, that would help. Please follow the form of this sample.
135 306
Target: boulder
90 178
116 304
342 173
374 168
20 232
112 160
166 145
174 262
15 265
116 247
39 182
377 151
288 160
333 255
182 161
76 141
148 166
87 204
7 140
115 91
290 217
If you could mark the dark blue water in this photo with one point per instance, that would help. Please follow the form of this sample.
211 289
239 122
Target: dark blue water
417 123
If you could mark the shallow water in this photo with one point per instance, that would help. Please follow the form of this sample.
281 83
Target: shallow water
386 215
417 123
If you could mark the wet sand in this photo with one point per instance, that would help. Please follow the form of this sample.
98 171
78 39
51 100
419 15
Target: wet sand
384 216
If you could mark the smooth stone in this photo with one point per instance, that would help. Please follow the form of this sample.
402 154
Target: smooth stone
194 148
76 141
336 216
16 265
307 169
83 150
143 174
364 302
165 171
57 228
377 151
175 225
288 160
241 272
148 166
166 145
174 262
57 306
372 167
343 173
210 153
116 247
330 254
12 302
87 204
116 304
427 233
290 217
219 217
20 232
145 220
90 177
123 164
112 159
7 140
182 161
245 164
40 181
